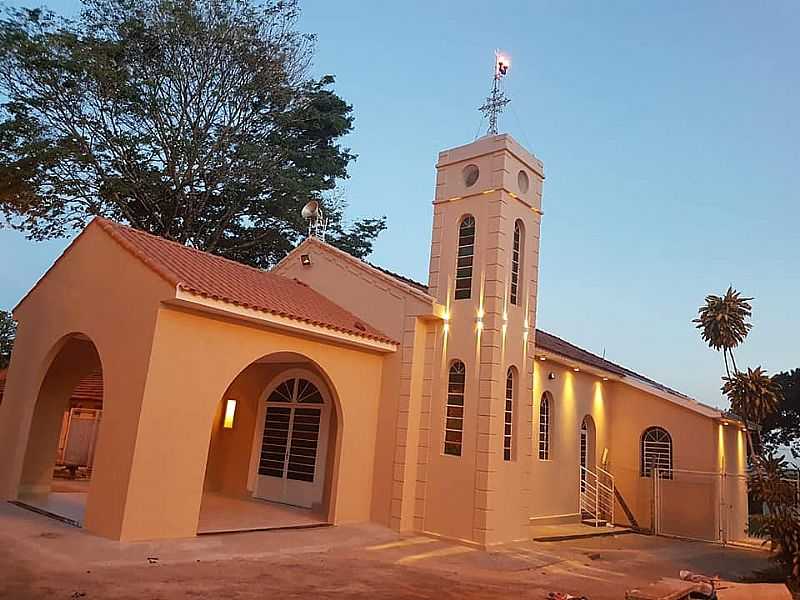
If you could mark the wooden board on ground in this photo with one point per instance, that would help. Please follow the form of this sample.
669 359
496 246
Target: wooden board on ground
747 591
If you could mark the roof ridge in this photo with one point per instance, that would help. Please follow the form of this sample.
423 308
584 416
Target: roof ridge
367 266
110 226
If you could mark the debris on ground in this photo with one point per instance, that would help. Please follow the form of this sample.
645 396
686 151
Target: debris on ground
708 585
564 596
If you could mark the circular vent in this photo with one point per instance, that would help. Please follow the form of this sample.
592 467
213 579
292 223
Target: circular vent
523 182
470 175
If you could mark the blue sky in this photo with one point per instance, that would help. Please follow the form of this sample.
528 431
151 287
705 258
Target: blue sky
669 133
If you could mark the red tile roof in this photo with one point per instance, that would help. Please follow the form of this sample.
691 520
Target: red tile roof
221 279
90 388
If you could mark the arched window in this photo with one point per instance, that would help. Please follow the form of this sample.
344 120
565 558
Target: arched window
508 422
516 262
656 452
544 427
454 420
466 255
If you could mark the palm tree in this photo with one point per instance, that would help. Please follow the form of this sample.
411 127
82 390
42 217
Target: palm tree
723 323
754 396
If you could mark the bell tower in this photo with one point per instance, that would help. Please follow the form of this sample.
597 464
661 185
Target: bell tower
484 270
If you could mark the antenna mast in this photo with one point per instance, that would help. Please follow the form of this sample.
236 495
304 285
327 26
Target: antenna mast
497 100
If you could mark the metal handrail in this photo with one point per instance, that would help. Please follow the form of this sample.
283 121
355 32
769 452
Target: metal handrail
595 497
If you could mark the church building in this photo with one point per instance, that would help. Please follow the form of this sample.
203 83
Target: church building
329 391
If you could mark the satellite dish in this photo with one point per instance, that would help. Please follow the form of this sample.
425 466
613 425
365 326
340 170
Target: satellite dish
311 211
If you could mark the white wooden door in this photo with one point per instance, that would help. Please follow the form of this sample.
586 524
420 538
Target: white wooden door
293 443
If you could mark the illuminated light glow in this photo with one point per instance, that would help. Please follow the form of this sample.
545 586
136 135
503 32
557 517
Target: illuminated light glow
480 313
542 358
605 378
576 369
230 411
505 316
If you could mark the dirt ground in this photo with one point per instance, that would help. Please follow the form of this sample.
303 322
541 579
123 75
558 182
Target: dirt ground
41 558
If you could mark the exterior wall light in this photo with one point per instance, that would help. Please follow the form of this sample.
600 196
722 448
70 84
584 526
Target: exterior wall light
305 260
230 411
551 376
543 357
605 378
576 369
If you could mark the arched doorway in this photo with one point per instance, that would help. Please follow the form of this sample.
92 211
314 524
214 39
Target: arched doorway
64 430
587 450
291 442
273 450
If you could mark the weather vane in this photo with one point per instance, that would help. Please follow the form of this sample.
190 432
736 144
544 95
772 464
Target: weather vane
497 100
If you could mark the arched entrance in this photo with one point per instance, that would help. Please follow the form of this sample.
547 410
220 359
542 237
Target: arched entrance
588 451
291 441
63 433
273 451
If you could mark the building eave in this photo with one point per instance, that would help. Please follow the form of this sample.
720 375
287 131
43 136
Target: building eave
188 300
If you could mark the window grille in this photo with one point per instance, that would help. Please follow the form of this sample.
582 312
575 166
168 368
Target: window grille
454 418
508 432
656 453
544 428
466 255
516 263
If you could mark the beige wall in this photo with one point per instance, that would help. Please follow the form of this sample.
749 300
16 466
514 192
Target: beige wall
402 314
574 395
493 493
165 372
195 358
84 293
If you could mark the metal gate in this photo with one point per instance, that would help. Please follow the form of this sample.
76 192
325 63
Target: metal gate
81 437
700 505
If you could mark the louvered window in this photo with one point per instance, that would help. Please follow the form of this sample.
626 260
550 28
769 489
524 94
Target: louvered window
466 255
516 263
656 453
454 419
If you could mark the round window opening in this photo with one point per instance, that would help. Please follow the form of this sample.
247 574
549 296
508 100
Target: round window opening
470 175
523 182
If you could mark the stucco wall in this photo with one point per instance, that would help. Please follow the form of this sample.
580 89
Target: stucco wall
555 482
195 357
100 291
389 307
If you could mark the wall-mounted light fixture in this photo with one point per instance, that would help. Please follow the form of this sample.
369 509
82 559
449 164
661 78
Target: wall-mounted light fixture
576 369
551 376
543 357
605 378
230 411
305 260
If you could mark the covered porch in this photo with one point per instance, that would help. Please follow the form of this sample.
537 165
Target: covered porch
218 513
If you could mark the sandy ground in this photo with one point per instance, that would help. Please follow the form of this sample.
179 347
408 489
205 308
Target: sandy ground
41 558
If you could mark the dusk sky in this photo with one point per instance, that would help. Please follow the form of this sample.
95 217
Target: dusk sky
669 133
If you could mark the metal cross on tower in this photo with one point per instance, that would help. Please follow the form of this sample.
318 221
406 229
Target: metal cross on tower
497 100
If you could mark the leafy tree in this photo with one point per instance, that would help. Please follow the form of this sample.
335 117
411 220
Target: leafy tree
782 428
8 331
195 120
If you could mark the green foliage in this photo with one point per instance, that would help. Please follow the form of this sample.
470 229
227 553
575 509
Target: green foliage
756 398
782 429
723 322
8 331
195 120
753 394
